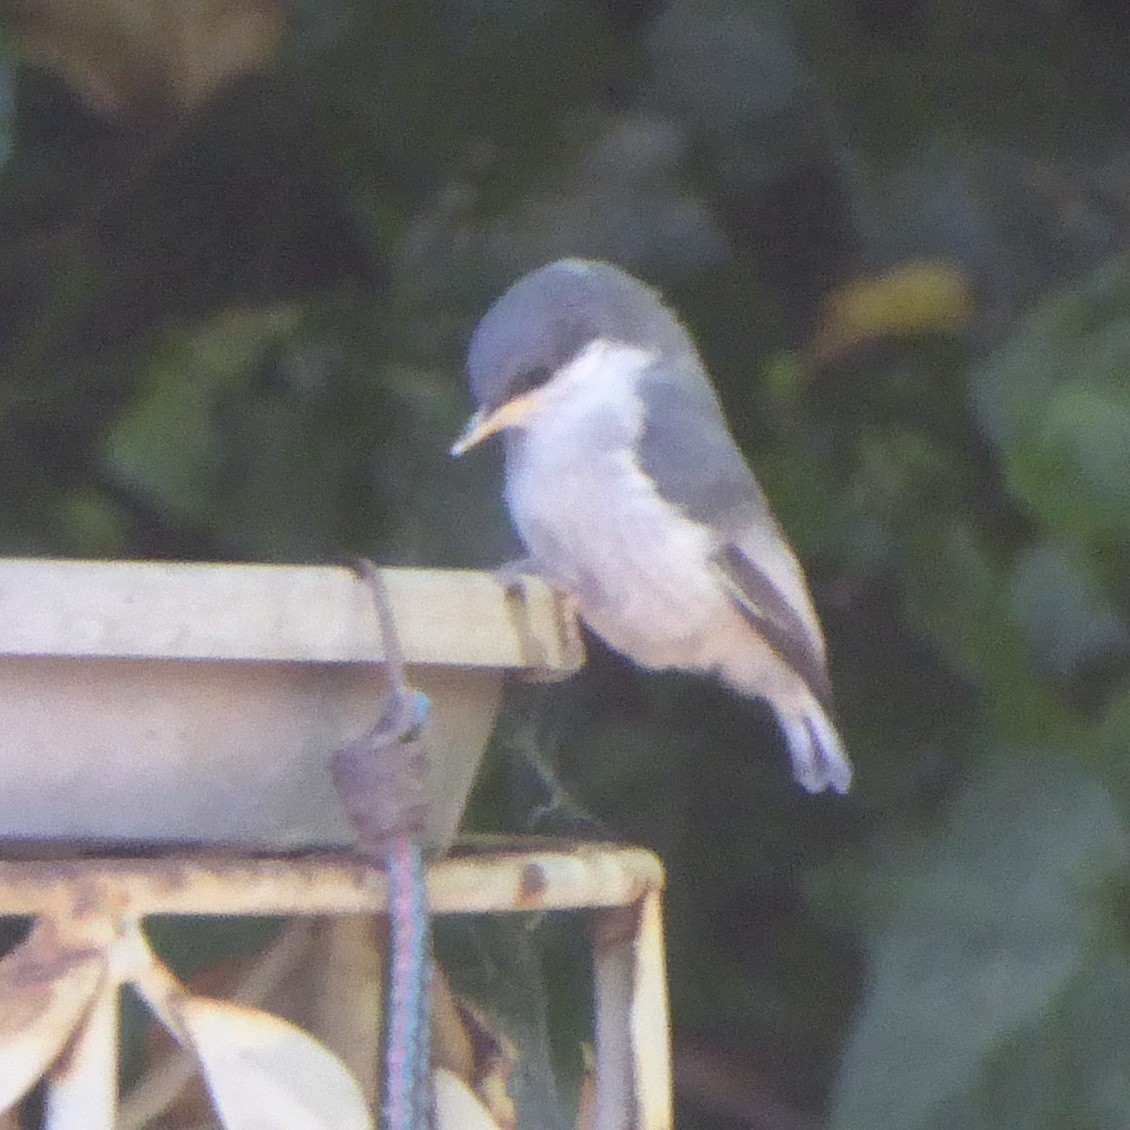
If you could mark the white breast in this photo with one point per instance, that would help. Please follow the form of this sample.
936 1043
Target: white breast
593 521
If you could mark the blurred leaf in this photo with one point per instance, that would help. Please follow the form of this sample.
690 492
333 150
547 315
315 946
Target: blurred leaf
465 1046
898 472
260 1070
493 965
456 1105
1056 401
140 57
263 1071
1112 739
169 445
87 522
914 298
1068 620
933 199
1073 473
957 596
8 84
1068 1070
989 933
1096 1039
1016 215
958 593
733 73
46 987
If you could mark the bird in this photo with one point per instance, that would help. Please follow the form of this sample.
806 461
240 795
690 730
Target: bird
627 488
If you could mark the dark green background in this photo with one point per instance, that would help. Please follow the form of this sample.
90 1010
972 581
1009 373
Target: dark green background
238 333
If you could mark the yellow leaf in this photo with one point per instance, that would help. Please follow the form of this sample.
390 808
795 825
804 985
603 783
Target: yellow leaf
918 297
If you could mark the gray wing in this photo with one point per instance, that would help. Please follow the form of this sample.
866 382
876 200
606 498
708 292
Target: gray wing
767 609
686 448
687 451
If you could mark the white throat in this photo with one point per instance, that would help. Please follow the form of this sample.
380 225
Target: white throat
604 372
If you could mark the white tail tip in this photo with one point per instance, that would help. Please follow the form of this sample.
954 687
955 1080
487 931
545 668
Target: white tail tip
819 760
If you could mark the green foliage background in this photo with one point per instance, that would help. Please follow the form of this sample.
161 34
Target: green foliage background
237 334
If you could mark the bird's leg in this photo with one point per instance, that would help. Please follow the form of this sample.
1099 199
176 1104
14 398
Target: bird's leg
512 576
560 811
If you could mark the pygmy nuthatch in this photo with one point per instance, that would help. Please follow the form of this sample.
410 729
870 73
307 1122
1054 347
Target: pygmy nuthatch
630 495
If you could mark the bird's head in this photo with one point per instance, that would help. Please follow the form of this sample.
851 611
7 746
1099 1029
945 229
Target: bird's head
544 323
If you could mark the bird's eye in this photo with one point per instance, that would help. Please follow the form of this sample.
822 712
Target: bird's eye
528 380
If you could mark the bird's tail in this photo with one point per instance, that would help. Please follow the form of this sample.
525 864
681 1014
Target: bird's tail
819 759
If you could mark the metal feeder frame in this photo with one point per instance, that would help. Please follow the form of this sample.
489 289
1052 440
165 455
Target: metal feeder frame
146 704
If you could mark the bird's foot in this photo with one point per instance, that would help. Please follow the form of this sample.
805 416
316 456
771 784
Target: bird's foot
513 576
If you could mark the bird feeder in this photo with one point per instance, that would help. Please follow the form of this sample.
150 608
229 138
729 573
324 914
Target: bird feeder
165 733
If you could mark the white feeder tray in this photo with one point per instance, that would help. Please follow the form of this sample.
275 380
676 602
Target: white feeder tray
155 703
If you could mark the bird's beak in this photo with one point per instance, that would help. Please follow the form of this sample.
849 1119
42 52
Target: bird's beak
483 423
478 427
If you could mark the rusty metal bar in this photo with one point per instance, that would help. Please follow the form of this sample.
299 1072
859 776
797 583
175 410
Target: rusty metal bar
97 903
583 876
633 1054
614 935
650 1021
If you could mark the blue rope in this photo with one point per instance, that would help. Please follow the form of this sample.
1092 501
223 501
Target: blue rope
407 1053
402 722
